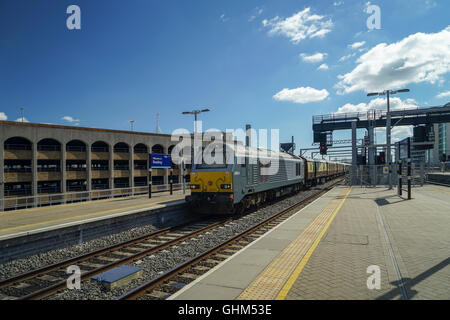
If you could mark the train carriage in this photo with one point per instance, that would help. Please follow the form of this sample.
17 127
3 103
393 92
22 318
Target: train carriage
241 179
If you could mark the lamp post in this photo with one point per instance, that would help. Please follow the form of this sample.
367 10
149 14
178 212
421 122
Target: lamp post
131 124
195 113
388 93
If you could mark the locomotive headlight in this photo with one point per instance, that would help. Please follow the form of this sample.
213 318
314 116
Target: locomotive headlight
195 186
225 186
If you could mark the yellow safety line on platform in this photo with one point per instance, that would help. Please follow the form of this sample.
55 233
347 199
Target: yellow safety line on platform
293 278
124 209
271 283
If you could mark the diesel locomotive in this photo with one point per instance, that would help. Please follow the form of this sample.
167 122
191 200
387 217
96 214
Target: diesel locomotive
241 180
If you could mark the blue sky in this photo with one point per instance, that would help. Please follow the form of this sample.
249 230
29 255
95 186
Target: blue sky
132 59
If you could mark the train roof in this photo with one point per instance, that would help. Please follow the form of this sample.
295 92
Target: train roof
240 150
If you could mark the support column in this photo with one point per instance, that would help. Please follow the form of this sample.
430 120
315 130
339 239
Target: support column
111 167
2 176
34 172
388 141
148 169
371 159
63 171
166 176
422 173
132 168
89 168
354 154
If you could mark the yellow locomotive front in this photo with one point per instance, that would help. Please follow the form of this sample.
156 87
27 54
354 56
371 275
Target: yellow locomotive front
211 188
211 191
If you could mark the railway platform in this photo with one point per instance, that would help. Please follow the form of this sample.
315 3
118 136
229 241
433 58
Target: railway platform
442 178
34 220
31 231
351 243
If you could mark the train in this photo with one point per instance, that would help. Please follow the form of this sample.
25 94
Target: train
240 182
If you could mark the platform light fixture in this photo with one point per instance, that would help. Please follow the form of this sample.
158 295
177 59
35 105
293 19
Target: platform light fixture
196 113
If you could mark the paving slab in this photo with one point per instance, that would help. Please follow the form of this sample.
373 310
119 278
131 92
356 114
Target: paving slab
252 260
375 246
407 239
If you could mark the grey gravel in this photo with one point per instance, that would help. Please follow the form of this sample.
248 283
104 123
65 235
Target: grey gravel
153 265
19 266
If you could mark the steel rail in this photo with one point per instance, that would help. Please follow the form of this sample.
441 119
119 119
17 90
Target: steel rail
61 285
147 286
42 293
45 292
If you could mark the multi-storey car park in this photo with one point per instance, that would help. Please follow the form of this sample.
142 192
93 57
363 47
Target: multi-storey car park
43 159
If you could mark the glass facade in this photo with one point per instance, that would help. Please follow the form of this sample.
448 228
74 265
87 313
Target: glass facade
442 139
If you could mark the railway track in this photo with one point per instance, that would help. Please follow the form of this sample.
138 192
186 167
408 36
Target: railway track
173 280
43 282
46 281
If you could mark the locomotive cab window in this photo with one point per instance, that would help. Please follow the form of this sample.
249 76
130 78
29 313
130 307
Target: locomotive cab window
218 162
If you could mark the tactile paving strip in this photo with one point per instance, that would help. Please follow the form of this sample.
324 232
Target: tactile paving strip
270 282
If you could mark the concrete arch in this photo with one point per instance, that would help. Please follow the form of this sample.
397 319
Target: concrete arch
49 144
170 148
18 142
100 146
158 148
76 145
121 147
141 148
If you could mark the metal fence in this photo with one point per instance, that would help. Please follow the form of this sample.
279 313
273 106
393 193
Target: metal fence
14 203
376 175
443 167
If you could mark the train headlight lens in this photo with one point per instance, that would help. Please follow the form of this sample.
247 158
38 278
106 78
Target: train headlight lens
195 186
225 186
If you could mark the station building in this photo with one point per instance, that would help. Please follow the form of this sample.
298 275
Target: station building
441 144
39 159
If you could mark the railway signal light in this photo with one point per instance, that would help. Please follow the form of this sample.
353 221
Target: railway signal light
323 149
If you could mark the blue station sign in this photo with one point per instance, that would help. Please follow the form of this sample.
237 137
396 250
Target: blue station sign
160 161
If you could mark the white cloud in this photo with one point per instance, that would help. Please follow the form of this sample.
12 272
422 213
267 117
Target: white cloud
379 104
356 45
70 119
317 57
301 95
3 116
443 94
430 4
323 66
397 133
344 58
257 12
338 3
223 18
300 26
420 57
20 119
